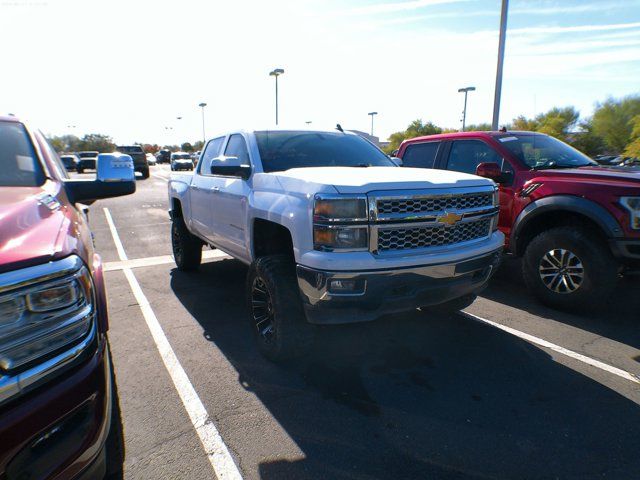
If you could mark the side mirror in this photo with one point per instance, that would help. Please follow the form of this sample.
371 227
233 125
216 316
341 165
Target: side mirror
396 160
492 171
230 167
114 177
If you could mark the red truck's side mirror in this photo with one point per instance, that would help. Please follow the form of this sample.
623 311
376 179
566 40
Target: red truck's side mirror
490 170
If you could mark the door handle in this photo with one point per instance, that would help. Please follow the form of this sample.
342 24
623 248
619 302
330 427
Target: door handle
215 189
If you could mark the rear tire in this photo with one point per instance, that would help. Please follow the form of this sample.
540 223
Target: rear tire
569 268
187 248
276 314
145 173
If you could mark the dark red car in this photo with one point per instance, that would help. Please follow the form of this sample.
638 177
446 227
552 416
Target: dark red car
55 372
575 223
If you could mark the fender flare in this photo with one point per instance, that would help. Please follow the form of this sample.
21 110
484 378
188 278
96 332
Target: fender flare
567 203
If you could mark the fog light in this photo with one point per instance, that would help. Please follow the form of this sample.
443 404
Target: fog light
350 287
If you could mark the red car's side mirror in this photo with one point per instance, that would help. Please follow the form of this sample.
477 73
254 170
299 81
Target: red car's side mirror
490 170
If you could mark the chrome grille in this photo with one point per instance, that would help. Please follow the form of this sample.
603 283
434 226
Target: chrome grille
433 204
406 238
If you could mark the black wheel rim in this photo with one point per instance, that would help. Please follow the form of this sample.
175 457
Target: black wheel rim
262 310
177 245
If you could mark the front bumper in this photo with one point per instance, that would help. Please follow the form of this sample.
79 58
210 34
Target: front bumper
59 430
381 292
625 249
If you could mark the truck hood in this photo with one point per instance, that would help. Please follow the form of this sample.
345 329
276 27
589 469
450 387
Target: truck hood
31 222
363 180
602 175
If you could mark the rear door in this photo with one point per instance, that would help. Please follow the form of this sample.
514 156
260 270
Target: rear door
202 189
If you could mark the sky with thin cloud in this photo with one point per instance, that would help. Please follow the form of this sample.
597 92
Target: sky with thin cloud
129 68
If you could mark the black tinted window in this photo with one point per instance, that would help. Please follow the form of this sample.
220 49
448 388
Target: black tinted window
466 155
212 151
237 147
19 166
420 155
131 149
284 150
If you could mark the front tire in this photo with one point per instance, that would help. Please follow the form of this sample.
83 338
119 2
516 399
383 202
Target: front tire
187 248
275 309
570 268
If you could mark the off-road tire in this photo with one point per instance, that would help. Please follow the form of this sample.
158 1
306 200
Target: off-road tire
187 248
452 306
599 267
291 335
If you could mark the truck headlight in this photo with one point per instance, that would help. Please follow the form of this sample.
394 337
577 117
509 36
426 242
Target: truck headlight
47 314
340 209
329 238
632 204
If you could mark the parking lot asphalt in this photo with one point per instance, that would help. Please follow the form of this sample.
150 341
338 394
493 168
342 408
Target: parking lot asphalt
417 395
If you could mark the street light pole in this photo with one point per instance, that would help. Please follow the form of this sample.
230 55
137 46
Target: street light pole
372 114
501 42
204 137
276 72
466 90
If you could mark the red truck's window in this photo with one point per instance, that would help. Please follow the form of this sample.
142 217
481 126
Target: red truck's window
420 155
19 166
466 155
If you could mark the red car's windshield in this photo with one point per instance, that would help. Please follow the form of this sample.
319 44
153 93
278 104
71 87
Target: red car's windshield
19 166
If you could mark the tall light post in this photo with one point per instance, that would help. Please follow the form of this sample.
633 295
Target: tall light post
204 137
501 42
466 90
276 72
372 115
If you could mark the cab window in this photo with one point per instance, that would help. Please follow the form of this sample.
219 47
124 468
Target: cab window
466 155
210 152
420 155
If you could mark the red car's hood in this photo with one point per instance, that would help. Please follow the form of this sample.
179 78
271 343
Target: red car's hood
623 176
31 227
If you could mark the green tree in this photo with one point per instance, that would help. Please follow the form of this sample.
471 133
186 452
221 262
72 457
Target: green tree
613 121
186 147
97 141
198 146
633 148
557 122
415 129
65 143
478 127
586 141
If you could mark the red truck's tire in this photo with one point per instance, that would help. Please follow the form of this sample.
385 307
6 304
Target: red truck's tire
187 248
275 310
570 268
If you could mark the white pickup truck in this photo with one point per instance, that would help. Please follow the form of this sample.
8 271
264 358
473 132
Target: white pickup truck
333 230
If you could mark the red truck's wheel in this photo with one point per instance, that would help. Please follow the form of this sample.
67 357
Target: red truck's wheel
570 268
187 249
276 314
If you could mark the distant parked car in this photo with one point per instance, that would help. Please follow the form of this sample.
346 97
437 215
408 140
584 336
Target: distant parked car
70 161
181 161
139 158
163 156
151 159
87 160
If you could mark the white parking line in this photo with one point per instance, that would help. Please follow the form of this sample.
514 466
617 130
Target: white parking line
215 448
556 348
159 260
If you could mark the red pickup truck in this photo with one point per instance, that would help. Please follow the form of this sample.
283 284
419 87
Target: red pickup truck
576 224
55 372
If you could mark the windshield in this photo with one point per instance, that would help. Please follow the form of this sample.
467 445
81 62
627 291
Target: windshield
134 149
88 154
284 150
541 151
181 156
19 166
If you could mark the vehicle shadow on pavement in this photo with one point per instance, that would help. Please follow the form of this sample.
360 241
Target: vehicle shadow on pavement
618 320
419 396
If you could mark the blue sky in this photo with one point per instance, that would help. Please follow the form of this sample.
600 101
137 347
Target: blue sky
129 68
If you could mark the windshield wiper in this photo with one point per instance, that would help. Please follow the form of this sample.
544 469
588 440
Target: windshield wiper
550 166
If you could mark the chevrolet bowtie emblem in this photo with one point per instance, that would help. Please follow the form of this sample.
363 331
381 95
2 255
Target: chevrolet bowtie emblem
449 218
